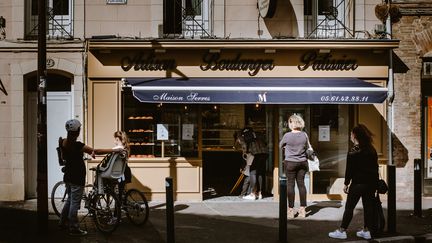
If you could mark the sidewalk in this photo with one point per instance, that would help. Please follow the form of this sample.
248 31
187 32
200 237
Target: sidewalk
225 219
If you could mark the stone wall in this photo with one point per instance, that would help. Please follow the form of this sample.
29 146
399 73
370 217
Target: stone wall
407 102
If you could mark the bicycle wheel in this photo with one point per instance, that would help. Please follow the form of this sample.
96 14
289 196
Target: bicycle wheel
136 207
106 212
58 197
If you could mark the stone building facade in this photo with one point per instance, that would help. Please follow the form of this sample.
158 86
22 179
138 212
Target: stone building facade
409 125
81 22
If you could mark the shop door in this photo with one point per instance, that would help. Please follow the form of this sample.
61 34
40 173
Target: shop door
328 129
30 145
59 110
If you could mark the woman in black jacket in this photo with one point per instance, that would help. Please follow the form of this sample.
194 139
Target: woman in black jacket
361 178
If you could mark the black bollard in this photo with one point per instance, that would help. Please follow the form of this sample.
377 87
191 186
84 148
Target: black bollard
417 188
169 209
391 199
282 209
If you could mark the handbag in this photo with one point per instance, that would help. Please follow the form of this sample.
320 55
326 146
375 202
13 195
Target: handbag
382 187
312 158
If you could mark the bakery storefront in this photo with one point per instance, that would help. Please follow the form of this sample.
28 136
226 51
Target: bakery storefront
181 101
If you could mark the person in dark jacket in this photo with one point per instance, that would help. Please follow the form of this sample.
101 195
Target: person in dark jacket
74 175
361 179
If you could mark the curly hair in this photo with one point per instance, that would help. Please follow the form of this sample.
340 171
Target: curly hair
363 135
122 136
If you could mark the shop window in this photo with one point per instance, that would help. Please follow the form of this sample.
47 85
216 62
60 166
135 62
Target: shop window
59 15
186 18
329 135
146 123
219 123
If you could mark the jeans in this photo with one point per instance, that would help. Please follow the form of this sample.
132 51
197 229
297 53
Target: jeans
72 205
247 183
295 172
366 192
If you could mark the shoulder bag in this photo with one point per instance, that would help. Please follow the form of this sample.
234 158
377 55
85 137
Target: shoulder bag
313 161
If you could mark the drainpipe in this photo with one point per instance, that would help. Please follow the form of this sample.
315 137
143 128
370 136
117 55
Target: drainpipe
391 168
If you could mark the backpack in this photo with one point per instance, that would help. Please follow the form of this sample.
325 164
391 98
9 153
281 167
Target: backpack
61 160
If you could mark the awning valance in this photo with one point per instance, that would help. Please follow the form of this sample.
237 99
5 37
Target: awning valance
256 90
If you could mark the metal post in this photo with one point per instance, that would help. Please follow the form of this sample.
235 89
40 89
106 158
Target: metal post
169 209
282 209
391 173
417 188
42 168
391 199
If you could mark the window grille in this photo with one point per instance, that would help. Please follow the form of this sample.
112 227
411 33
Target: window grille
187 18
59 19
328 18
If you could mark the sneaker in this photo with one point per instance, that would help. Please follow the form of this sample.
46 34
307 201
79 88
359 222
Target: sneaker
302 212
77 232
365 234
290 213
260 196
250 197
337 234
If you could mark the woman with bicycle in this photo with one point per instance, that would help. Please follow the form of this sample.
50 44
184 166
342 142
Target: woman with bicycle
74 175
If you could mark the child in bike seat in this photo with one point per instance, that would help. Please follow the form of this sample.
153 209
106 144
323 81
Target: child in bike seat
121 141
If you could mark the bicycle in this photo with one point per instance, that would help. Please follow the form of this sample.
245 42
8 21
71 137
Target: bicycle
101 202
134 203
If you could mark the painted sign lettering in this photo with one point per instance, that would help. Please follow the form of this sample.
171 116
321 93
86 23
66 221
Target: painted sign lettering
213 62
140 62
191 97
325 62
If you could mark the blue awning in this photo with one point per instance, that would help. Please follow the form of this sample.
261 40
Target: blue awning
257 90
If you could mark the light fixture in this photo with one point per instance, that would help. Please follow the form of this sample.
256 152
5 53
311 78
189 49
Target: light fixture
322 51
269 51
2 22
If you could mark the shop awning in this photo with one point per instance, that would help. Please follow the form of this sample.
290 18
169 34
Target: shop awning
257 90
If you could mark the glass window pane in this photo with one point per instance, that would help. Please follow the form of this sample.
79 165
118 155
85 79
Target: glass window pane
140 122
193 7
34 7
61 7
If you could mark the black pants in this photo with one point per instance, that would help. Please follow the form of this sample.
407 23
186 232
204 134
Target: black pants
366 192
259 164
295 172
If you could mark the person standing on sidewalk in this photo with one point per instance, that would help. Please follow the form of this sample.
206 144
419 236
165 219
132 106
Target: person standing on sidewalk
74 175
295 163
258 148
361 179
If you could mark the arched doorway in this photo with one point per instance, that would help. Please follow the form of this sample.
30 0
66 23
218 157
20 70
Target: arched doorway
59 109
